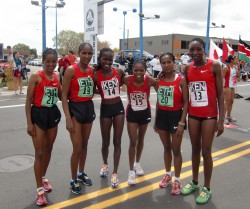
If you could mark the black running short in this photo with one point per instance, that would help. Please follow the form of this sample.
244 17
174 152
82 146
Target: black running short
111 110
45 117
140 117
84 112
168 120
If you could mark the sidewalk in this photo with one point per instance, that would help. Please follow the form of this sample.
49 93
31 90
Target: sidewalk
5 92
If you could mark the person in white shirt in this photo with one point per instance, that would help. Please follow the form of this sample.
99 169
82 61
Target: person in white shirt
155 63
184 59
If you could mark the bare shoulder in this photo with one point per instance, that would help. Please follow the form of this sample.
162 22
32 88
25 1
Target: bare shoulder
216 66
120 72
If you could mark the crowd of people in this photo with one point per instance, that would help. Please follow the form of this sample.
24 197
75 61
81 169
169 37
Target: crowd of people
193 101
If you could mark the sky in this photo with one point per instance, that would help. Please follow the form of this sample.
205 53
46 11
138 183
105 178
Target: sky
22 22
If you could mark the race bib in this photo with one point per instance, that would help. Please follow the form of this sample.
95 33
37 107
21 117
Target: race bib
110 88
86 86
138 101
50 96
198 93
165 96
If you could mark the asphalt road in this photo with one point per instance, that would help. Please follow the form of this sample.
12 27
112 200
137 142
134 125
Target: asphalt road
230 182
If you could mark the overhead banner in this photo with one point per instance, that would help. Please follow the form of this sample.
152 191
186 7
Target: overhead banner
90 19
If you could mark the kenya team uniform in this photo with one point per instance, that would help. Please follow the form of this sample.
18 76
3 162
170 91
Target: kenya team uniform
138 109
170 104
109 87
44 111
80 96
203 95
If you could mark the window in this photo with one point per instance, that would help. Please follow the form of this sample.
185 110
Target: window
184 44
149 43
164 42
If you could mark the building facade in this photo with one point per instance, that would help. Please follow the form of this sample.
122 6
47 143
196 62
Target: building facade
174 43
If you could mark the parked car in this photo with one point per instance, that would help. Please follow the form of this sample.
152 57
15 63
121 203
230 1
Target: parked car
135 53
35 62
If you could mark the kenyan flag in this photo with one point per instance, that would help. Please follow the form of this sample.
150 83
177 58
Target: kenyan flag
243 51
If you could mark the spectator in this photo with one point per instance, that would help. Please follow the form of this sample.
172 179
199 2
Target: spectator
63 63
122 61
18 63
71 57
155 63
130 61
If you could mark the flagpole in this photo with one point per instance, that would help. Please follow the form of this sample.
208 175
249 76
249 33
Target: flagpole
208 24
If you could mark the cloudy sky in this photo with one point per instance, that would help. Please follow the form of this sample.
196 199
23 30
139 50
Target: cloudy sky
22 22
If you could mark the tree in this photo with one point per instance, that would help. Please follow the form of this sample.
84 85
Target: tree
68 40
21 47
102 44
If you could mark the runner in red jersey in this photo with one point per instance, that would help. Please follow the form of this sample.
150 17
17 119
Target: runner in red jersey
77 92
138 115
206 93
43 116
170 121
108 81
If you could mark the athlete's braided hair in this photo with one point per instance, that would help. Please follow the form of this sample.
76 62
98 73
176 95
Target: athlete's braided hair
48 51
82 45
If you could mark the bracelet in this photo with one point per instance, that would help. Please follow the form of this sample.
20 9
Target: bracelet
181 124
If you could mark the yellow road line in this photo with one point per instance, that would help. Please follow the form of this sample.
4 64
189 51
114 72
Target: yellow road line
104 191
149 188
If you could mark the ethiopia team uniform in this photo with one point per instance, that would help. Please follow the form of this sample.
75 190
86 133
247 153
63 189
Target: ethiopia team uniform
44 111
109 87
80 96
170 104
138 109
203 95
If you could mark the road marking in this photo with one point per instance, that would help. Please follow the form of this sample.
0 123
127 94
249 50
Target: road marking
149 188
139 180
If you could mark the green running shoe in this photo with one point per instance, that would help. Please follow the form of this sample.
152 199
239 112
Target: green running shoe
204 196
189 188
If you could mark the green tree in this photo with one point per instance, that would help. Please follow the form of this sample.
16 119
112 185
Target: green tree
21 47
102 44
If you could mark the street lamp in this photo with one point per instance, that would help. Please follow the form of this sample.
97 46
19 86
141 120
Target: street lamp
124 12
217 26
142 17
59 4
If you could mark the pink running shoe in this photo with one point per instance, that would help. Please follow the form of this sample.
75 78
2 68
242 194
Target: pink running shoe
165 181
176 189
40 198
46 186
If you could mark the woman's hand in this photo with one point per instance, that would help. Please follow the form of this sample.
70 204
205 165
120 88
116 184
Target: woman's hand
31 130
69 125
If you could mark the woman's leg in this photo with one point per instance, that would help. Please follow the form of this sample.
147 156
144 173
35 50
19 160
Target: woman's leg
227 99
176 149
132 133
208 128
194 127
76 139
85 130
231 101
20 82
49 141
140 142
118 123
39 142
166 141
105 124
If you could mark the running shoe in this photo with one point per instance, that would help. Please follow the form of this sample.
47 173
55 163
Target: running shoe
131 178
40 198
231 120
104 170
176 189
189 188
75 187
84 179
114 181
138 170
46 185
204 196
165 181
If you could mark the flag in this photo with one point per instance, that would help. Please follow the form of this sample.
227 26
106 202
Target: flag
214 51
224 51
243 51
230 50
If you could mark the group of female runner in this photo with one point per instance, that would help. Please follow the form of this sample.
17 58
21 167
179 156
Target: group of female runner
79 85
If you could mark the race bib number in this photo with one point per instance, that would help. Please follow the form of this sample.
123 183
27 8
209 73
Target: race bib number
198 94
165 96
110 88
50 96
138 101
86 86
